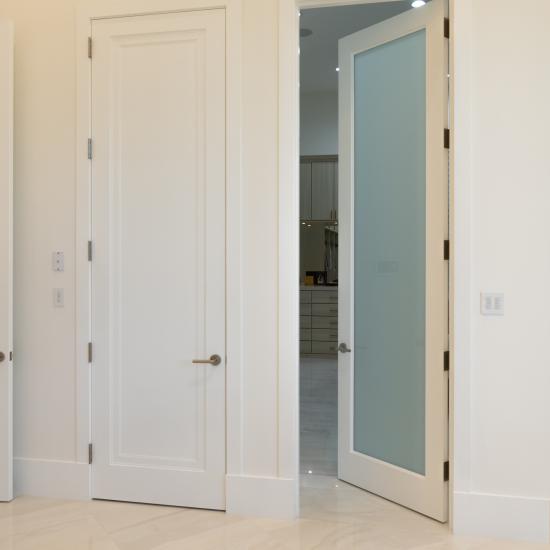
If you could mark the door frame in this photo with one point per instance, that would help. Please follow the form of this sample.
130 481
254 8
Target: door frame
88 11
6 179
289 208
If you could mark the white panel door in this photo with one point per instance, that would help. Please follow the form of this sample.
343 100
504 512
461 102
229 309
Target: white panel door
323 181
6 258
158 270
305 190
393 388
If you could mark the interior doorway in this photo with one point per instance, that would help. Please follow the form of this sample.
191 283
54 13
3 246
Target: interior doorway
374 195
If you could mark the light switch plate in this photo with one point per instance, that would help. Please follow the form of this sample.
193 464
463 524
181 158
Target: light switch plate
58 261
59 297
492 303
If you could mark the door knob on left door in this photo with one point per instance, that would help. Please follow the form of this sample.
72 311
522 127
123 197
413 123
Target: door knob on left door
214 360
2 356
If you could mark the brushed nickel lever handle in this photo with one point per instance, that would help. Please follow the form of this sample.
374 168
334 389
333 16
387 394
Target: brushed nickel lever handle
214 360
343 348
2 356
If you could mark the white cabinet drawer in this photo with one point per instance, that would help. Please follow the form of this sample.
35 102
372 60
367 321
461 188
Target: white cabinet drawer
324 322
305 334
324 347
305 322
305 347
305 309
324 297
325 334
324 309
305 296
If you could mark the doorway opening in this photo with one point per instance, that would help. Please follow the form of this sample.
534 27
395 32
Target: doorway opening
374 191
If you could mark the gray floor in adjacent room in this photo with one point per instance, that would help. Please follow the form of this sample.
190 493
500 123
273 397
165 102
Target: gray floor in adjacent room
319 415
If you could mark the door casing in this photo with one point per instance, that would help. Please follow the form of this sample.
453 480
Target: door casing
289 185
6 253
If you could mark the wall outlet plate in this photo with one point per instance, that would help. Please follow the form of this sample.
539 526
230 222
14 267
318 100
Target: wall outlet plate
492 303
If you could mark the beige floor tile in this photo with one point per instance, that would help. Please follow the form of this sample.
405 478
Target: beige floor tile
335 516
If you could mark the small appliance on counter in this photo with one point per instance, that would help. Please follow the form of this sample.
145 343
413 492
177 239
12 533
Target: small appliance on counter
318 278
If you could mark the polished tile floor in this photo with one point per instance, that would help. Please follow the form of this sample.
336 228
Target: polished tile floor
319 415
334 516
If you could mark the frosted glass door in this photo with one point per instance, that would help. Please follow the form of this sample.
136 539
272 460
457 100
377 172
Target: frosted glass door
393 221
390 255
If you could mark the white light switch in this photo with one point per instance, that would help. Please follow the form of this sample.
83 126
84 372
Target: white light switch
59 297
492 304
58 261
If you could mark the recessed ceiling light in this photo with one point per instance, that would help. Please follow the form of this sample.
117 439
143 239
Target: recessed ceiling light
418 3
304 33
337 69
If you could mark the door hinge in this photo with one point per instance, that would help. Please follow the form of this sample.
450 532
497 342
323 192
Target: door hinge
89 47
446 361
90 149
446 250
11 356
447 138
90 251
446 471
90 352
90 453
447 27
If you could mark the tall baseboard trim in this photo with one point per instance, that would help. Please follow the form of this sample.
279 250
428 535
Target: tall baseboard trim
51 478
262 496
501 516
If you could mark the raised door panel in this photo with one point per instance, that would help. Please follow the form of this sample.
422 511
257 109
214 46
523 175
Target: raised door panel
335 191
323 176
305 190
159 266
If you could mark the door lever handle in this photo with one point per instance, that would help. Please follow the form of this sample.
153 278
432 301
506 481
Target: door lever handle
214 360
343 348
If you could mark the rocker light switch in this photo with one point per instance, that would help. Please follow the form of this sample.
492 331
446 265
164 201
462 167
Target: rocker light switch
492 304
58 297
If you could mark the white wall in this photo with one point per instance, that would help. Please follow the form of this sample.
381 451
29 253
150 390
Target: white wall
502 367
319 123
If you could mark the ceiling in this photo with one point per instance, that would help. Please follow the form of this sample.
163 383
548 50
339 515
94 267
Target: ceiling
319 51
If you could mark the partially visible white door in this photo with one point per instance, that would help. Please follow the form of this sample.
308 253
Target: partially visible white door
158 270
393 388
6 258
323 184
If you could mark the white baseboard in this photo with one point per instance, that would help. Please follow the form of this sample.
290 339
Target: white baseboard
50 478
501 516
262 496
